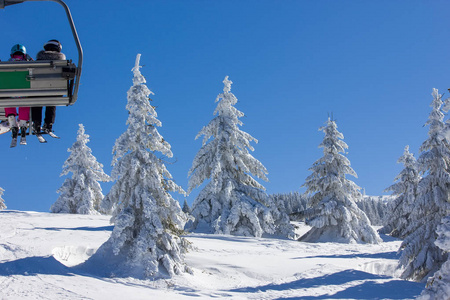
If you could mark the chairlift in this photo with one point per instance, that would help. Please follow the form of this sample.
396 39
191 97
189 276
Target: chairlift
40 83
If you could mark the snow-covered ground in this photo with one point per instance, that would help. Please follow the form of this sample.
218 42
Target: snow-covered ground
39 254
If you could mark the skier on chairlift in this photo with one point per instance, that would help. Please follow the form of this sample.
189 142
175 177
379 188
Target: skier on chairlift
52 51
18 53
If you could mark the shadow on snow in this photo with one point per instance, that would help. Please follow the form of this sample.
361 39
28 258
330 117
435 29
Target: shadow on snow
394 289
383 255
102 228
371 290
34 265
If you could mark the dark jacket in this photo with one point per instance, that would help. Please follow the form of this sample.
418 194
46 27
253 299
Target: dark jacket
50 55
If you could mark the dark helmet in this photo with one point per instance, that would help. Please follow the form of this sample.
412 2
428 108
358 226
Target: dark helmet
53 45
18 48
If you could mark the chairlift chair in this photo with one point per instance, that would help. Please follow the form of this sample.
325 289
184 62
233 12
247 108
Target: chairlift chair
40 83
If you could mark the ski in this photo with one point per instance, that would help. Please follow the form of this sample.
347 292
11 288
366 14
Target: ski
4 127
23 140
53 135
40 138
13 143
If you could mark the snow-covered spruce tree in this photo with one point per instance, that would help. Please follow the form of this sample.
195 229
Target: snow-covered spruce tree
2 202
420 256
333 213
145 241
405 191
438 286
82 193
232 202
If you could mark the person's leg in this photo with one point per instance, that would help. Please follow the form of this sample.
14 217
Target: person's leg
36 115
50 114
10 111
24 114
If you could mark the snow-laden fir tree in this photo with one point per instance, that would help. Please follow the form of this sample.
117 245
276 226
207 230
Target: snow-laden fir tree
420 256
438 286
82 193
405 191
145 241
232 202
2 202
333 213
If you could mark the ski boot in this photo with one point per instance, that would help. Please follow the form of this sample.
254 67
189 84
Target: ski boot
47 128
23 132
37 132
36 128
14 130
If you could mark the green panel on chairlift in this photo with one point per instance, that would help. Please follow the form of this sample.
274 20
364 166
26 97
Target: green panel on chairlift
14 80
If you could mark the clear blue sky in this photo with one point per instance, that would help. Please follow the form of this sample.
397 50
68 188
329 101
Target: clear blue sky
372 64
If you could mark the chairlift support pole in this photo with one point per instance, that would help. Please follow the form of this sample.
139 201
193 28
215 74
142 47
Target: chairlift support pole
74 97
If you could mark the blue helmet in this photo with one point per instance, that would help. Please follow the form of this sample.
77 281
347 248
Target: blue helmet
19 48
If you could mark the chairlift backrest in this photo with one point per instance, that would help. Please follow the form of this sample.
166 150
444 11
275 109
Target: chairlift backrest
38 83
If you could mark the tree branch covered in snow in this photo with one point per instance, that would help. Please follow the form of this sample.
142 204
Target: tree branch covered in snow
2 201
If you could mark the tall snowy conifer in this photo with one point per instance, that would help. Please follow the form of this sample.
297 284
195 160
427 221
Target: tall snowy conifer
333 213
145 241
2 202
405 190
82 193
232 202
420 256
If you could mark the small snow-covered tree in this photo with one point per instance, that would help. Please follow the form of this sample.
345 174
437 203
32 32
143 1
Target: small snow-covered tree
186 209
2 202
232 202
82 193
333 213
405 191
420 256
438 286
145 241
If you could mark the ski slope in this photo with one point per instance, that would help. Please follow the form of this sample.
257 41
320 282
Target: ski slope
39 254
